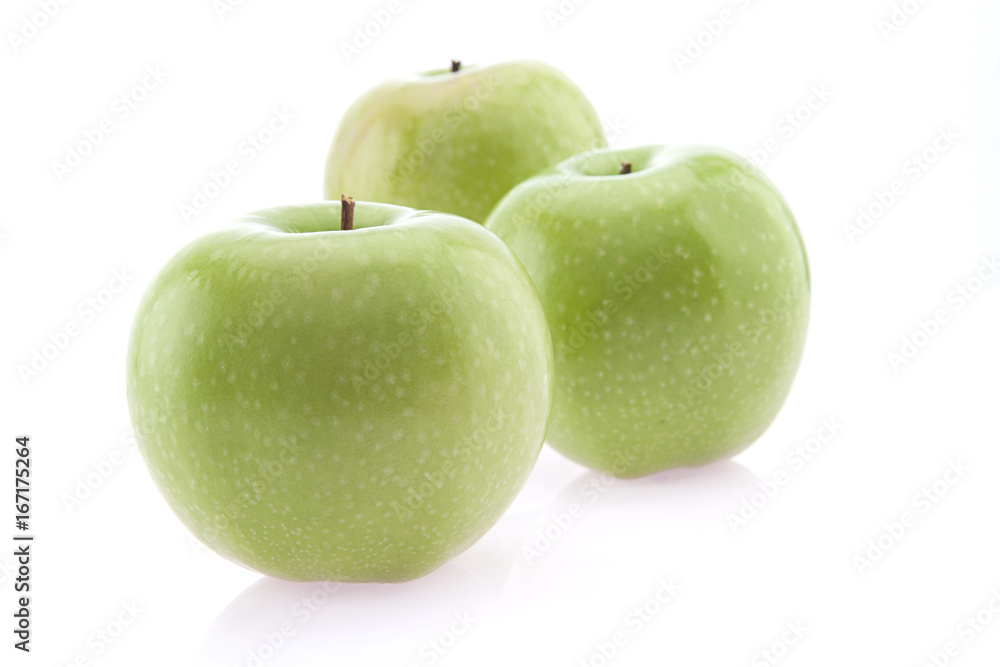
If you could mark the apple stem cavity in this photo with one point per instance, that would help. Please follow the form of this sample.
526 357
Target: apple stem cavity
626 168
456 65
346 213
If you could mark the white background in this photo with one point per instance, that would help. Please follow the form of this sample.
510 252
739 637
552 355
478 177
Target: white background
795 561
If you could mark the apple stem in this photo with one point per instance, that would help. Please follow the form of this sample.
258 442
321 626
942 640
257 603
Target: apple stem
626 168
346 213
455 65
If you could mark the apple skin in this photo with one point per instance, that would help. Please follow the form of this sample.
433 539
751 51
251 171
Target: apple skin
341 405
458 141
677 298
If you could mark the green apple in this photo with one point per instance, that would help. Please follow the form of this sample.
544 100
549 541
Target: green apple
458 139
677 297
323 403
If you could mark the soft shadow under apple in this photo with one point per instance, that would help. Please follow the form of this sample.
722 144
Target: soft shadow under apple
279 622
670 521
